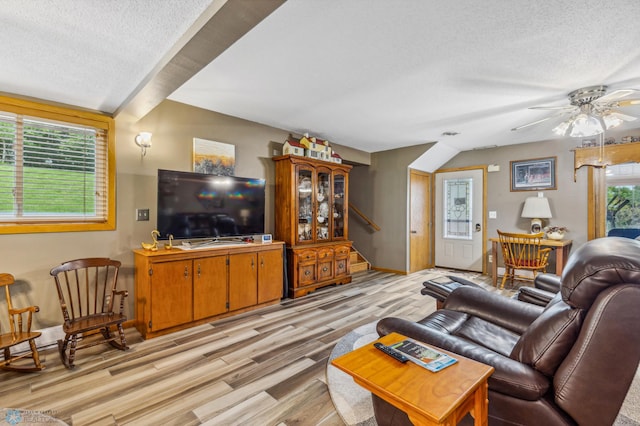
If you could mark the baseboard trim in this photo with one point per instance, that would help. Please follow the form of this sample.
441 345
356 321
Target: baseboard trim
391 271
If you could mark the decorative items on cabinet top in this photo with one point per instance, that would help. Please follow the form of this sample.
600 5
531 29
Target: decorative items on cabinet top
177 251
310 147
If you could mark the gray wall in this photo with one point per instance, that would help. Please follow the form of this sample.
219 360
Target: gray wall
381 192
568 202
29 257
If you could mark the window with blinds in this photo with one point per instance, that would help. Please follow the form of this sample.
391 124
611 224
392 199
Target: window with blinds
54 172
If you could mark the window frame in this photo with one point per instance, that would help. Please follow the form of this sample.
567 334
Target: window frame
71 116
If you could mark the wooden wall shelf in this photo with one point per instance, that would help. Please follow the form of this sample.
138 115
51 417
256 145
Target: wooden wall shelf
606 155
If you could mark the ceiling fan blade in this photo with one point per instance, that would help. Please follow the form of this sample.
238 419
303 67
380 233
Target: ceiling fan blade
627 102
533 123
555 108
624 117
616 94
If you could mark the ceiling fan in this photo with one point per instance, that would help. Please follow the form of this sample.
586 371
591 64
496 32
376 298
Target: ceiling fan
591 111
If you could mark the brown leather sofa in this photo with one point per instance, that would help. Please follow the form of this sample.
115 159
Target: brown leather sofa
568 363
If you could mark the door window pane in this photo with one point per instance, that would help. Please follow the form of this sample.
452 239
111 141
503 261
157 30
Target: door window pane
458 208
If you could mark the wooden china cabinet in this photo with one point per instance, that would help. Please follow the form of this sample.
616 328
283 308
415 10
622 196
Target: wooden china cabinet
312 219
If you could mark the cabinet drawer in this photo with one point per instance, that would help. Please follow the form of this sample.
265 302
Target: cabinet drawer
342 251
307 256
324 254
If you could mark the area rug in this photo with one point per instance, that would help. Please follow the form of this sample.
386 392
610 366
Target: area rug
353 403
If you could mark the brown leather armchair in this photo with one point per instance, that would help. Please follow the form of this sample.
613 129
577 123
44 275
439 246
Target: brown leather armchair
568 363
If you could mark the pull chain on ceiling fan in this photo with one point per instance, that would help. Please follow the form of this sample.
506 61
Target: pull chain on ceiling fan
591 111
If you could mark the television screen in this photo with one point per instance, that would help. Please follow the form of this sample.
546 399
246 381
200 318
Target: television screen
196 205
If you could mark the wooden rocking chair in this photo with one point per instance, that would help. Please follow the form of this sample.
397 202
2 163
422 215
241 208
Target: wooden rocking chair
87 292
522 252
20 332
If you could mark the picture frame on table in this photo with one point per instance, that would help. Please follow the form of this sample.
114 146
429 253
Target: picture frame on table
533 175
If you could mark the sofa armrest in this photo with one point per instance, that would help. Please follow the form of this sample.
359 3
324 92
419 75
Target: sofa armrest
547 282
510 377
511 314
535 295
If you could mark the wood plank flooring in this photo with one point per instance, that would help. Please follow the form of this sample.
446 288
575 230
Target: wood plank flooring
265 367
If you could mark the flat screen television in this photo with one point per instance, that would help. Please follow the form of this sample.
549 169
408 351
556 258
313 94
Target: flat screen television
196 205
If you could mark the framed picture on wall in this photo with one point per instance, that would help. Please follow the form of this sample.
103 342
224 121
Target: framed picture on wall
533 175
213 158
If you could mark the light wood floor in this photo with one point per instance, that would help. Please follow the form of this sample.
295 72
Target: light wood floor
265 367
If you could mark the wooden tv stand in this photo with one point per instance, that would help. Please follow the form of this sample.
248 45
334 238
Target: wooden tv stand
177 289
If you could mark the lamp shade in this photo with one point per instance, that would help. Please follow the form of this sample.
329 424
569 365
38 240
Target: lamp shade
536 207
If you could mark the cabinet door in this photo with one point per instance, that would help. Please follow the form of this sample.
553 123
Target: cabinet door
323 204
304 204
171 294
339 209
209 286
342 260
325 264
270 275
243 280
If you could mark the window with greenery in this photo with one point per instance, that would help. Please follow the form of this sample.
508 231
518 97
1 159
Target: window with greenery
57 170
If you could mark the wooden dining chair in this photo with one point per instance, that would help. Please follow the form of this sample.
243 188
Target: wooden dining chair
522 252
20 321
87 291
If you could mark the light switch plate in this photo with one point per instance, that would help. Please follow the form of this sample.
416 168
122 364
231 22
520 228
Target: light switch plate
493 214
142 215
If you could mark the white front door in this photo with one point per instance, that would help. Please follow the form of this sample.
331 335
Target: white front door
459 219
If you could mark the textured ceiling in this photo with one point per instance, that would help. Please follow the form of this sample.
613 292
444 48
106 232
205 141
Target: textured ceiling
372 74
91 54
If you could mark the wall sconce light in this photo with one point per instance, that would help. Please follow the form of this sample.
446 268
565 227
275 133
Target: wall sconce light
143 140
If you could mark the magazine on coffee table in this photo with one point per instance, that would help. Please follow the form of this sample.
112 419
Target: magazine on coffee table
423 355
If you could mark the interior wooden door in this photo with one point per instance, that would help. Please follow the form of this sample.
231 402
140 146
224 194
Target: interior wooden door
420 221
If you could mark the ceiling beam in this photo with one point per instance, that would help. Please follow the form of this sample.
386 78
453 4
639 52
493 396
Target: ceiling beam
226 21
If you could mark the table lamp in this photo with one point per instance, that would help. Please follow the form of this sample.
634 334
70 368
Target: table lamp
536 209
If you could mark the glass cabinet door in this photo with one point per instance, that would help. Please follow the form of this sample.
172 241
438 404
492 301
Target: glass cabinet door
323 204
338 211
305 205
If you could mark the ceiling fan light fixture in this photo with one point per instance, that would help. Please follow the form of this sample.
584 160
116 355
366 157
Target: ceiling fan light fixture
586 125
611 121
561 129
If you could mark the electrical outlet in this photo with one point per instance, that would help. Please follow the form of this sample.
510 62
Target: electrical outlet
490 258
142 215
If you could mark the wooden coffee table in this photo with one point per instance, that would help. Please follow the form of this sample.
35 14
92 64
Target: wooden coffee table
441 398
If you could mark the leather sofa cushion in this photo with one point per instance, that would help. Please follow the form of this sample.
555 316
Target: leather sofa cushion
603 263
550 337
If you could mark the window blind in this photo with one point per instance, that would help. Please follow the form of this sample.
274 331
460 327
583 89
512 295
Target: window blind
52 171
